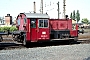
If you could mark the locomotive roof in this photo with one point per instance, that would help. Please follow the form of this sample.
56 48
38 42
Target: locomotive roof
36 15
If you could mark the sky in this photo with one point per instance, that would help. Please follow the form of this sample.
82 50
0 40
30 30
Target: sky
14 7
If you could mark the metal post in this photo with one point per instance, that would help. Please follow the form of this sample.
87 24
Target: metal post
42 6
64 10
58 10
34 7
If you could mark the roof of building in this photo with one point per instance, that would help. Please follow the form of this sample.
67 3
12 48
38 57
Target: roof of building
36 15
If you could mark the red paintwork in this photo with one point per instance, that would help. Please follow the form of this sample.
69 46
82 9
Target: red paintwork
74 33
60 24
42 36
76 26
28 38
69 24
35 34
63 24
53 24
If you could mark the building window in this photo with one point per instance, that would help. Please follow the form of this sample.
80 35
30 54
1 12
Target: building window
1 22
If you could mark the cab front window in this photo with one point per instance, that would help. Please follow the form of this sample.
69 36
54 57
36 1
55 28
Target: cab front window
18 21
25 20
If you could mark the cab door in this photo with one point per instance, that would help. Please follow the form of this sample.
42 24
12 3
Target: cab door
33 25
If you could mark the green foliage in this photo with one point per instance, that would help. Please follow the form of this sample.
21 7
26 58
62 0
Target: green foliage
73 17
85 20
2 29
77 16
6 28
13 28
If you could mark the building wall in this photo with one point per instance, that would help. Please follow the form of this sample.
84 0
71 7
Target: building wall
8 19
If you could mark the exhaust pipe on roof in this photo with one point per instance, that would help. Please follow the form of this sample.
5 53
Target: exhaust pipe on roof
34 7
66 17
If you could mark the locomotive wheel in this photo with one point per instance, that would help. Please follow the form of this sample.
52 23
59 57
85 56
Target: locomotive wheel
75 38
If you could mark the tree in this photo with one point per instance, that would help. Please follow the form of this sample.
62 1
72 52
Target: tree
77 16
85 20
89 22
73 17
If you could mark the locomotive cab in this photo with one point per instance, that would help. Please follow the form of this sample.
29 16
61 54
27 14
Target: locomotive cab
39 29
36 26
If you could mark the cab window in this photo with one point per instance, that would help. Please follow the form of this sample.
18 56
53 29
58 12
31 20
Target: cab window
43 23
40 23
24 20
33 23
18 21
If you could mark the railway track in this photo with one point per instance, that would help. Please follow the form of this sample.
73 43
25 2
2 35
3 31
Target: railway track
10 44
82 41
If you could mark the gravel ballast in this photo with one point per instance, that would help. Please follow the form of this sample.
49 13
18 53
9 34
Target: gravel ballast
67 52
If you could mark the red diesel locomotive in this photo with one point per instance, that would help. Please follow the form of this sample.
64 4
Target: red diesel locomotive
34 27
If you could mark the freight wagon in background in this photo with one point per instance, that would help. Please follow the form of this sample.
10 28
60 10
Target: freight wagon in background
35 27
